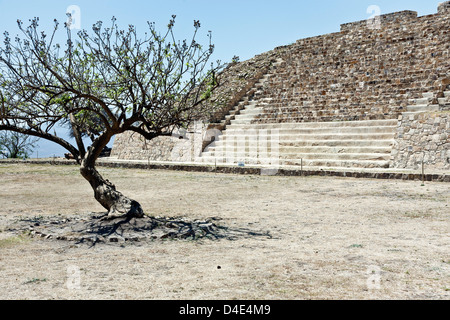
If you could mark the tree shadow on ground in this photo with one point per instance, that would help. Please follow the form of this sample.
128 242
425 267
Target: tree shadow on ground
97 228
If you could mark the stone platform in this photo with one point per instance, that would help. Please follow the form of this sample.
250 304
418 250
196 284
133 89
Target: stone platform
369 173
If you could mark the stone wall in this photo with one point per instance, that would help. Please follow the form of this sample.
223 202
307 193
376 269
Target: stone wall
422 137
444 7
237 79
399 18
182 146
366 71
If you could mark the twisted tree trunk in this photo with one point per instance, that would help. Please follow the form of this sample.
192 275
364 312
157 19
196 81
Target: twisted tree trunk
105 192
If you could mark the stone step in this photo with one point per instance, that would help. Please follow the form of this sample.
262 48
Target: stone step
407 114
420 101
443 101
284 107
428 95
339 143
324 163
330 163
320 136
337 156
299 131
249 107
251 111
334 124
287 119
242 119
262 99
302 149
422 108
310 156
324 144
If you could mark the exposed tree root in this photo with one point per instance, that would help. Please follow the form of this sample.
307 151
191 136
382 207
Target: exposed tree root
95 228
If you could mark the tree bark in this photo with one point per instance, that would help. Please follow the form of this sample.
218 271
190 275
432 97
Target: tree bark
105 192
77 136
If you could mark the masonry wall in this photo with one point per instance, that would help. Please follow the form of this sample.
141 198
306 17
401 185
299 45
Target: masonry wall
423 137
132 146
182 146
366 71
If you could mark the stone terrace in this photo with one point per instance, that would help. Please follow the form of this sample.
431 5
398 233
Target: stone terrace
374 95
360 73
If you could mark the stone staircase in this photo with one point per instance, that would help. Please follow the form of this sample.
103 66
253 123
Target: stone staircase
361 144
246 107
428 103
444 101
337 144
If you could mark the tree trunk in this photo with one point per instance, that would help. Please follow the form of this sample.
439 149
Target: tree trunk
104 191
78 137
106 194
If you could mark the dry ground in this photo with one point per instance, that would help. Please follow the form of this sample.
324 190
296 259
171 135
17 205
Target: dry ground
332 238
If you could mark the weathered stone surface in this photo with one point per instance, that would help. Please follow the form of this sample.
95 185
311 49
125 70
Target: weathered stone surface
424 143
182 146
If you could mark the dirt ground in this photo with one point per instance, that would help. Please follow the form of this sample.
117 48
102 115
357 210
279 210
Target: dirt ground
330 238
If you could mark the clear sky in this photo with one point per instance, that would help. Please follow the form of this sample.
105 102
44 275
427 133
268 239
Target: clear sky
243 28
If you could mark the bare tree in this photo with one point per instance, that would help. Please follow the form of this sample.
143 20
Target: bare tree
103 83
16 145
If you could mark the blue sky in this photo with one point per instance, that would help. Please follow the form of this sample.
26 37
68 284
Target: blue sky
239 27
